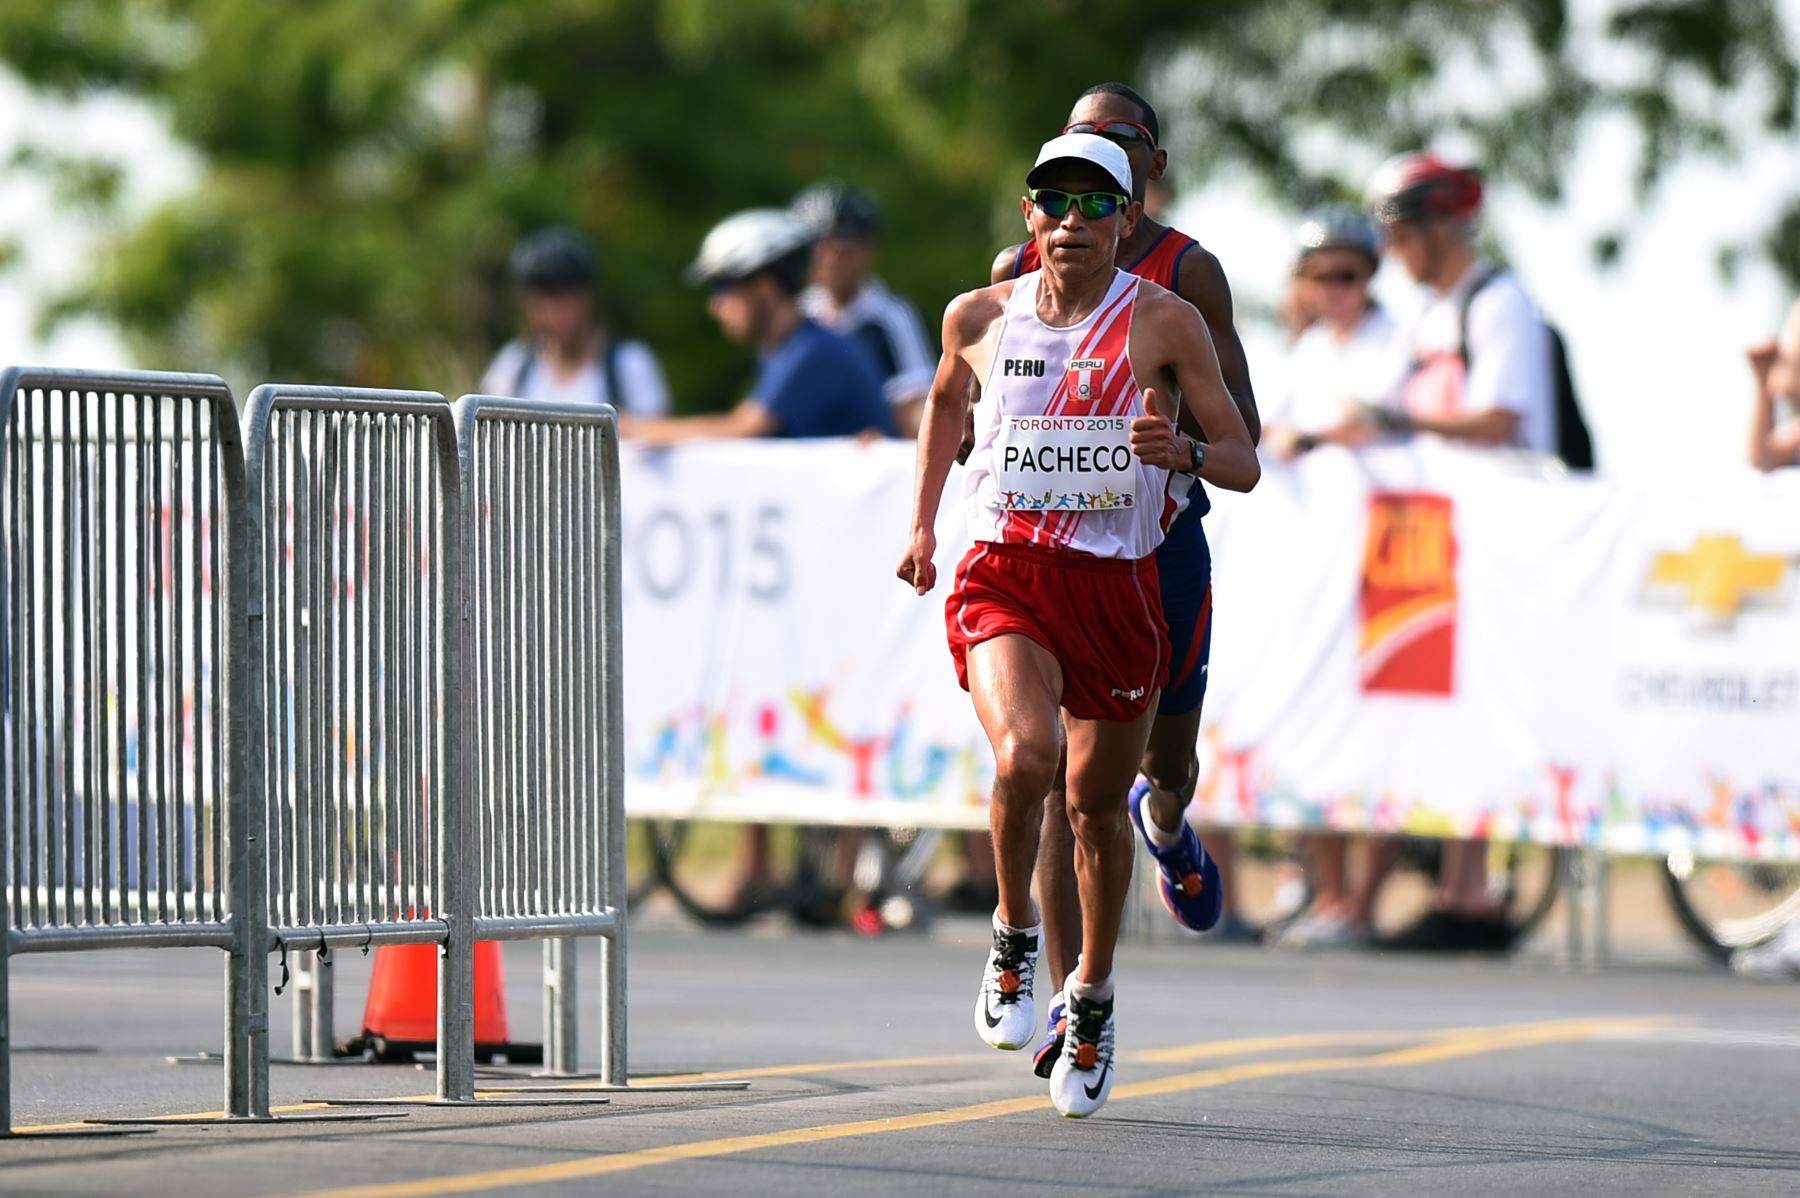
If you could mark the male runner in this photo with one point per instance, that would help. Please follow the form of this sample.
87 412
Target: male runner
1055 622
1188 877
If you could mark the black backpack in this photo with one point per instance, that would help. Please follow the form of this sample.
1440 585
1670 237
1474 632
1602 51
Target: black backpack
1574 444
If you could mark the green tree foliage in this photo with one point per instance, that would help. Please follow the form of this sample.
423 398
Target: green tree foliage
367 166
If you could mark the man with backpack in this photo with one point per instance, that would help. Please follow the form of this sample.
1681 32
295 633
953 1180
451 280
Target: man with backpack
568 355
1484 363
1484 372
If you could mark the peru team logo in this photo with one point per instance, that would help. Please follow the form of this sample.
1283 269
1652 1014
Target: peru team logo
1408 603
1085 376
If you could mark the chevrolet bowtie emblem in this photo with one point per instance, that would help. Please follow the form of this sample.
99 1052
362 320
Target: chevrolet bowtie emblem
1718 578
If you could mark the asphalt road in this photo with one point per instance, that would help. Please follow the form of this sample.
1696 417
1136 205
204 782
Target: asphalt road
1242 1071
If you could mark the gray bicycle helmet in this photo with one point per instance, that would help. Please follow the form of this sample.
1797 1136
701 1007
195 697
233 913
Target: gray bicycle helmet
748 243
1338 227
554 259
833 208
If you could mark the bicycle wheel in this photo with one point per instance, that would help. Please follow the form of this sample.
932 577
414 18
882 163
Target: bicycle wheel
1727 905
1532 878
640 862
696 863
1265 876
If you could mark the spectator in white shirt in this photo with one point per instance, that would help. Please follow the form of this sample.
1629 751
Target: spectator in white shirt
568 355
1481 374
1482 371
846 297
1351 354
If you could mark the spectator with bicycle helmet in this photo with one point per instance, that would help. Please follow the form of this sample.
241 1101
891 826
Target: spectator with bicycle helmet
811 382
1482 373
568 355
1351 353
1775 437
1482 370
847 297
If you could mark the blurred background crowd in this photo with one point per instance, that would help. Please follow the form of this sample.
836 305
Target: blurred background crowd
335 193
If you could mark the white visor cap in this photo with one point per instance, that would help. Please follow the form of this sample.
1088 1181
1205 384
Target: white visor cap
1083 147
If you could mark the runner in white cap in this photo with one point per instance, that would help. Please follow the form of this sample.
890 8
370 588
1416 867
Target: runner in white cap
1055 623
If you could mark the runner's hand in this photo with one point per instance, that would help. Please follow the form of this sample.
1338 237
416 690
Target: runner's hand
1153 437
916 568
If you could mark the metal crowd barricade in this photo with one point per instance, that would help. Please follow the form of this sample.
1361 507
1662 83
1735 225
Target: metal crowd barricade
357 544
544 785
123 751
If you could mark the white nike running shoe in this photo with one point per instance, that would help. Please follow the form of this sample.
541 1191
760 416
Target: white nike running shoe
1005 1015
1083 1076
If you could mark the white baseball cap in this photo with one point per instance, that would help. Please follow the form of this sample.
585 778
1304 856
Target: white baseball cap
1083 147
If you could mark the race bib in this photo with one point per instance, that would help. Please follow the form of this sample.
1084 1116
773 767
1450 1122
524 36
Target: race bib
1065 463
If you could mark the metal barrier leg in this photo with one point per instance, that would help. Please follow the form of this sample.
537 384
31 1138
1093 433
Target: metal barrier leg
247 1030
1574 882
315 993
456 1018
562 1012
1599 908
1588 917
612 1008
5 1019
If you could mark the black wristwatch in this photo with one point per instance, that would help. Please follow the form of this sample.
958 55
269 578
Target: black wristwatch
1196 454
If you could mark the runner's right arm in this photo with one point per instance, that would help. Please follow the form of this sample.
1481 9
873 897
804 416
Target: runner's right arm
966 323
1177 353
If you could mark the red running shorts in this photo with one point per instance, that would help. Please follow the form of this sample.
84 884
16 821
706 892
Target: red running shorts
1101 618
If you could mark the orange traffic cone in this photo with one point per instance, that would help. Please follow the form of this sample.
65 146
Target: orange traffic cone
400 1018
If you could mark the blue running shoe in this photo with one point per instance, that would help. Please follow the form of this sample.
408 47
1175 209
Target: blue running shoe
1188 878
1043 1057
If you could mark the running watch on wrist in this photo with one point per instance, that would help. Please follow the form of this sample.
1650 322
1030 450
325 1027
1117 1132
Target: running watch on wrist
1196 455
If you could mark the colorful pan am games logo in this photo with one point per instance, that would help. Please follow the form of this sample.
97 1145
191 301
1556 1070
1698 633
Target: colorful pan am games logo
1408 601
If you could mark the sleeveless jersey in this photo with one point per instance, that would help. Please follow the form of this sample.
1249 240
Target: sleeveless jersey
1161 263
1052 463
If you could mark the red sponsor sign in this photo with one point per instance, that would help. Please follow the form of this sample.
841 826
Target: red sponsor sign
1407 607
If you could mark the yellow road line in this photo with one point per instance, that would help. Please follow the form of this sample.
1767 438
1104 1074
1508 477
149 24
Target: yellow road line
1182 1054
1440 1049
682 1079
597 1166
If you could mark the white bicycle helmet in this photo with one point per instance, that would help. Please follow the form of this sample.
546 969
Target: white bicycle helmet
749 242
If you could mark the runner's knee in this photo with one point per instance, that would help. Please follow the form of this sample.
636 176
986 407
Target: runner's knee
1025 766
1096 813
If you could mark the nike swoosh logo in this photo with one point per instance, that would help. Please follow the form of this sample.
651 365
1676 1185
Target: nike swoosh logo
1093 1091
987 1014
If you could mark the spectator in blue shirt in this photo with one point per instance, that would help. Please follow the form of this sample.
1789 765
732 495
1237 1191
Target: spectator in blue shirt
811 382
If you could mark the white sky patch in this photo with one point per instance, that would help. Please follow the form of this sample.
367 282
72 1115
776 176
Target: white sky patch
1656 341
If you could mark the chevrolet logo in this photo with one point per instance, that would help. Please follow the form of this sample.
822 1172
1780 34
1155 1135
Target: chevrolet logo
1718 578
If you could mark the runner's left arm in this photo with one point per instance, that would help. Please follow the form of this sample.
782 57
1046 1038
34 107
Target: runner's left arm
941 433
1201 282
1178 349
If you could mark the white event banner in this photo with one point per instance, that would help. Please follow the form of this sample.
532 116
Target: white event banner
1419 640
